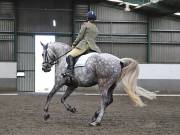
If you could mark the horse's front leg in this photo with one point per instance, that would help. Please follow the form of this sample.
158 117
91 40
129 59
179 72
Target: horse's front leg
95 116
56 87
65 96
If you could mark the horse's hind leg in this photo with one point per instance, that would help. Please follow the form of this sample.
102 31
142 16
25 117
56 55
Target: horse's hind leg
65 96
106 99
110 94
49 97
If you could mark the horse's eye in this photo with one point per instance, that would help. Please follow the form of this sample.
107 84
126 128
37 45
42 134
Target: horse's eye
42 54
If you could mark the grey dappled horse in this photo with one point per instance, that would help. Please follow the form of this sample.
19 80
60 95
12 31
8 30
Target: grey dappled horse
103 69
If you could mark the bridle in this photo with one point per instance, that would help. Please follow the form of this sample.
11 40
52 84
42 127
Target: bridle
53 61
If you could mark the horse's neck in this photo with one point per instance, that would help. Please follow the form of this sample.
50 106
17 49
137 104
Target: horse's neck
60 48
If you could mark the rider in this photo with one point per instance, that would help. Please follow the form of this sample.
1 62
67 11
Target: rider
84 42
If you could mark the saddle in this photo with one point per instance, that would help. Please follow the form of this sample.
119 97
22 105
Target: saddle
79 61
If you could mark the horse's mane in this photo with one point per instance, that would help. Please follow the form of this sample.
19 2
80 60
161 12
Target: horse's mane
59 43
63 46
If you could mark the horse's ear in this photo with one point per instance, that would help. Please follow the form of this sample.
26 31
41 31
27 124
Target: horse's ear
42 44
46 45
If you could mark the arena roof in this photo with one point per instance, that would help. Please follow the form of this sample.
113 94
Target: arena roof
160 7
151 7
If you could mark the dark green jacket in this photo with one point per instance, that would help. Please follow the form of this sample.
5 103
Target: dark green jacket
87 36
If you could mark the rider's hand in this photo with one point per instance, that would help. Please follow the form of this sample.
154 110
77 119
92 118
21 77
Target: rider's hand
73 46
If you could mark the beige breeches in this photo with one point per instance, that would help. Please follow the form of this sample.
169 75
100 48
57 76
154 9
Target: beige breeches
76 51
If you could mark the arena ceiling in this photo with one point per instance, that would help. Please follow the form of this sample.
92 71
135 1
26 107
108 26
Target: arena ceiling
160 7
153 7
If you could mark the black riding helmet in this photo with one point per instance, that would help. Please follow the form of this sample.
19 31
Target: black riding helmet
91 15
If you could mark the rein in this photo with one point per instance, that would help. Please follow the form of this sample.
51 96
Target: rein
56 59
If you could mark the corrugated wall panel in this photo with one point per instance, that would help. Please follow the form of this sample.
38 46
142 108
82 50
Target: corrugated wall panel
166 53
121 32
121 39
37 16
26 44
128 50
6 25
6 38
67 40
103 12
80 11
165 23
128 28
166 37
45 4
105 47
165 33
125 50
26 63
104 28
42 21
25 84
6 50
7 9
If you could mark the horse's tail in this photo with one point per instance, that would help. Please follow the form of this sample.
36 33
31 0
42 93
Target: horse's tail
129 76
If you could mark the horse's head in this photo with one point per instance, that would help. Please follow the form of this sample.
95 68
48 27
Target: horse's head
48 58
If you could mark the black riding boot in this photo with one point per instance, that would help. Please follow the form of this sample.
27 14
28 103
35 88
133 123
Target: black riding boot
70 67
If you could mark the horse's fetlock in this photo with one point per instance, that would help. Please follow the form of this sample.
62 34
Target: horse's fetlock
46 109
110 101
62 100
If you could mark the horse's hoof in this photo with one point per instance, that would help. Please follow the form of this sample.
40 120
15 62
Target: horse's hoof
46 117
94 124
93 119
73 110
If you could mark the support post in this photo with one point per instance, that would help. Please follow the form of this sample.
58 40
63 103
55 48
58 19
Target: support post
73 22
148 41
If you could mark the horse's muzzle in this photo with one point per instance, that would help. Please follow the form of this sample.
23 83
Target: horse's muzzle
46 67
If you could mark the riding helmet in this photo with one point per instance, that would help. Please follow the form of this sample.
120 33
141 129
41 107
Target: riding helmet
91 15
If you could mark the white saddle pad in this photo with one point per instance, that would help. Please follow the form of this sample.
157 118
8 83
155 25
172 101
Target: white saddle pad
82 60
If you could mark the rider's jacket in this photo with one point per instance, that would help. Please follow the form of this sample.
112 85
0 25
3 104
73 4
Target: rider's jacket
87 35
